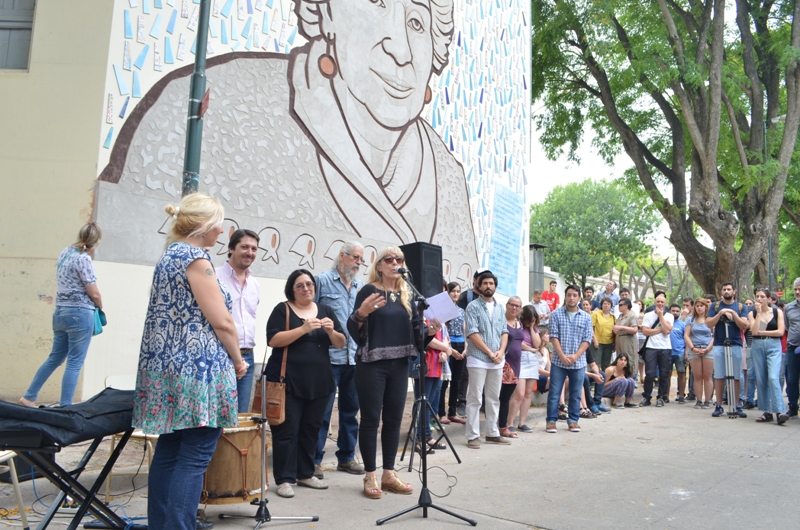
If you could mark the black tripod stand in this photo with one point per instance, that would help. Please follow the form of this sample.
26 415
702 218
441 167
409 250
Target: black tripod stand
417 426
420 405
262 513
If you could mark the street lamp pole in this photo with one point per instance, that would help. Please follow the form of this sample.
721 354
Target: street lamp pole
194 123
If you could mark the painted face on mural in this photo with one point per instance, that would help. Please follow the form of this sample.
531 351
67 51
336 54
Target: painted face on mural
384 51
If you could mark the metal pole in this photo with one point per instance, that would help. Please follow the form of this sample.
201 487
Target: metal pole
194 123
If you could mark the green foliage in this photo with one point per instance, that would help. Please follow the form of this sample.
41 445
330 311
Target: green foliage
644 78
587 226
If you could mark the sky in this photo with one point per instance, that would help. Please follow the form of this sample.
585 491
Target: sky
548 174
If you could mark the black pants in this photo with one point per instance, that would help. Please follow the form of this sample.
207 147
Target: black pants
456 367
463 384
294 442
662 359
506 391
382 387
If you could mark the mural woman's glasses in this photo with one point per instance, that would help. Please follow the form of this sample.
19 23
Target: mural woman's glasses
399 259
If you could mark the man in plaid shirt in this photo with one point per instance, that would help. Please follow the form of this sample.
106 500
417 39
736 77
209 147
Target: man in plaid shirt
570 334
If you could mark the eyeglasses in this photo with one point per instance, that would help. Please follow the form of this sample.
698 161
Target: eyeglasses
357 259
301 286
515 306
399 259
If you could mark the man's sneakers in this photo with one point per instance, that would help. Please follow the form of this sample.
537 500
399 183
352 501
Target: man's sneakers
318 471
681 400
717 411
603 408
740 412
792 411
474 443
659 402
574 427
352 467
497 440
461 410
551 427
645 402
698 404
749 405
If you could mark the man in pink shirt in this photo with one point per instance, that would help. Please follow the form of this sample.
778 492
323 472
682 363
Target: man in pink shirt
235 276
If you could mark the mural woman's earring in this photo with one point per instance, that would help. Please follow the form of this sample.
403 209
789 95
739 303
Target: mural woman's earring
327 66
428 95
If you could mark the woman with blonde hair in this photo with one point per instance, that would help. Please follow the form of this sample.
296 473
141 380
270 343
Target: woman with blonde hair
77 296
386 327
188 364
700 350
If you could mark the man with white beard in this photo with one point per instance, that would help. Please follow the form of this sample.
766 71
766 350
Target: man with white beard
337 288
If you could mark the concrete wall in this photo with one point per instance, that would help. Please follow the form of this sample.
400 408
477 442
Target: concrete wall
51 121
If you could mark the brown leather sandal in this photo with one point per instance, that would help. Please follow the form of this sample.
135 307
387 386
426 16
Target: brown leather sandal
371 488
395 485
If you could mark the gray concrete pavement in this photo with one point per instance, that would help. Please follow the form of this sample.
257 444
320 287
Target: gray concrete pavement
671 467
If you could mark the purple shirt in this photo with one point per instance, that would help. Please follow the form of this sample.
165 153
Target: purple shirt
245 300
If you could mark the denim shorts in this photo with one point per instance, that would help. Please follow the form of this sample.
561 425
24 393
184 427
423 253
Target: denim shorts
693 355
680 366
719 361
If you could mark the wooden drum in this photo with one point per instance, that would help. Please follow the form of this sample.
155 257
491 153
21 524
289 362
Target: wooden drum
234 473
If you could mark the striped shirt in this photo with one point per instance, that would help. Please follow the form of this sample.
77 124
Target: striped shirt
571 332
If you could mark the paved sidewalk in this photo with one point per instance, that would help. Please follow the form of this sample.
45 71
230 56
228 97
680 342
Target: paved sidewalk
671 467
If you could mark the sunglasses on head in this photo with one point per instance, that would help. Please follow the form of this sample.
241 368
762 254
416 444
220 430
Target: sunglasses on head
399 259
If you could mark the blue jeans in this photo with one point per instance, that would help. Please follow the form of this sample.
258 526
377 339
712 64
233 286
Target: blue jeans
72 333
432 387
244 386
767 364
176 477
792 361
343 377
599 390
557 377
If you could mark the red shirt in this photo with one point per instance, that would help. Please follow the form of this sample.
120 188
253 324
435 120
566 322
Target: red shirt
551 299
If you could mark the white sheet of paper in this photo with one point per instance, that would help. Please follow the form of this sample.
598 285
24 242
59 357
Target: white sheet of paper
441 308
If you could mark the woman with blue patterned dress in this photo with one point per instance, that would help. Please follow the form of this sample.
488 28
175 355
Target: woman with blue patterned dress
188 365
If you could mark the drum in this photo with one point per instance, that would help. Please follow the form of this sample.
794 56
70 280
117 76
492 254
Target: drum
234 473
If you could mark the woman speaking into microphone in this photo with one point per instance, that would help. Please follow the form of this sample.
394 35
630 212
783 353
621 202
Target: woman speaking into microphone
386 326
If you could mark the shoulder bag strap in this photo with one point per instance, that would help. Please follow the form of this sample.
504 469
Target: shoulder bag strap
285 348
61 262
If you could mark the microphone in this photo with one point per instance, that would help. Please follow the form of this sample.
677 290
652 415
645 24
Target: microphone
401 270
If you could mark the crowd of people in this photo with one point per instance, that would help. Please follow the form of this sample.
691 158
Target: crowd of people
335 335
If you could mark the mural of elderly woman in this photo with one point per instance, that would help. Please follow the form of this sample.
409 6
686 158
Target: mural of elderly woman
348 105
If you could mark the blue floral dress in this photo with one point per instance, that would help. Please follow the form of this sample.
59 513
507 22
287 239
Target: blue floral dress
185 378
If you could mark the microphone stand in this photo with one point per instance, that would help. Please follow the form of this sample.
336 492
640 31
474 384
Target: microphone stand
262 513
418 413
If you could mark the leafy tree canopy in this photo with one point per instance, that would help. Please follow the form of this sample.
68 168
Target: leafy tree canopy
587 226
702 95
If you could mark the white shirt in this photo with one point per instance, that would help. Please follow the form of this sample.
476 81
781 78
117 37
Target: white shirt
244 299
659 341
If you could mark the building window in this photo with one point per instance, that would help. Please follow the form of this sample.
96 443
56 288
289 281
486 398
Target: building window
16 24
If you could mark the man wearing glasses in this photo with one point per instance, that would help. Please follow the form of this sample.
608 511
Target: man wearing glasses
337 288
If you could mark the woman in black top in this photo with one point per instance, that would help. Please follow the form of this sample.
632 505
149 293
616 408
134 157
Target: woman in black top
313 328
386 326
767 326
